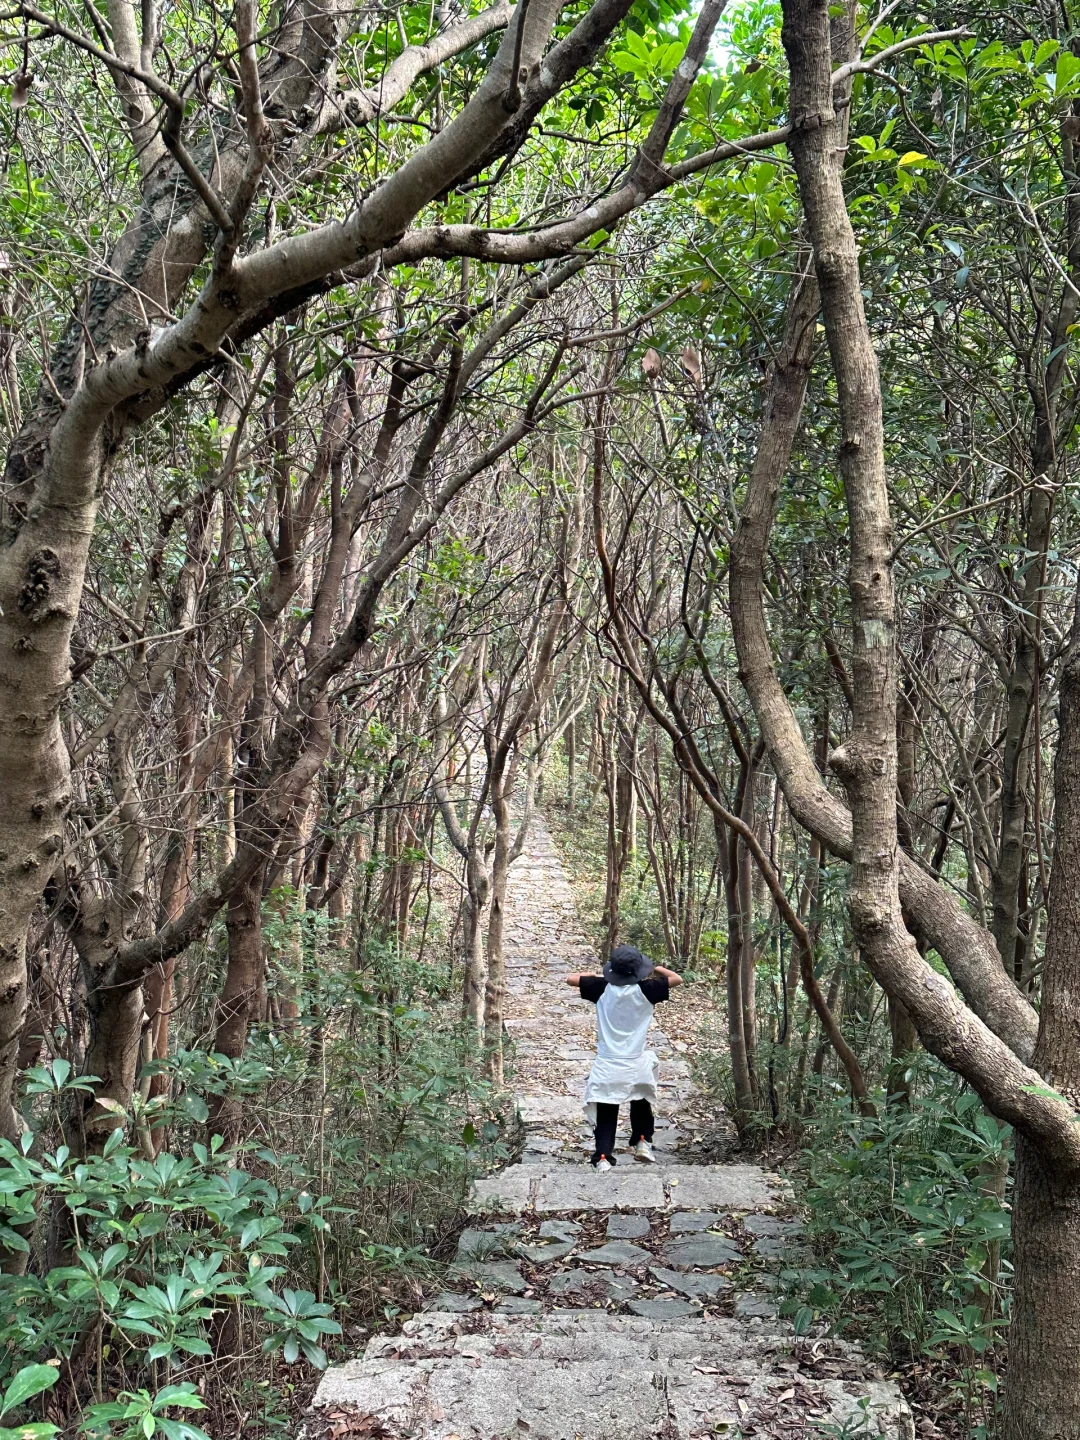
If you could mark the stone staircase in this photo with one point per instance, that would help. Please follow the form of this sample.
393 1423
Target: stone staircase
603 1307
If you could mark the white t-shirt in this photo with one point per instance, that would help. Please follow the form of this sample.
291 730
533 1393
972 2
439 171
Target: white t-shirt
623 1069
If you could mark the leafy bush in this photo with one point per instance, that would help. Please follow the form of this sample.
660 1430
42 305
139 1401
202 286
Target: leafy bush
145 1276
908 1224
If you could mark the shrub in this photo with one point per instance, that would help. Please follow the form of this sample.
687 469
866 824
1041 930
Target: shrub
908 1225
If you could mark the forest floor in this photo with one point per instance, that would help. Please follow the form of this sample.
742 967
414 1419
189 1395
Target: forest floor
583 1306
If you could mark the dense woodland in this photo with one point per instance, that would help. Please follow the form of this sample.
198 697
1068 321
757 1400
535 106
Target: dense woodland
419 416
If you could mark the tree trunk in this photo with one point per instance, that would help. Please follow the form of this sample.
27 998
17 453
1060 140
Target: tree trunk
1042 1394
905 1038
609 920
1042 1390
116 1017
472 907
243 926
571 764
740 1073
1016 759
747 953
495 988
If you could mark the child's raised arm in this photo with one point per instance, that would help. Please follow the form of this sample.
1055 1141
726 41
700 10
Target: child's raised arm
574 980
673 977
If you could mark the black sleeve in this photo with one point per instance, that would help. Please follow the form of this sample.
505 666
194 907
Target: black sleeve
655 989
592 987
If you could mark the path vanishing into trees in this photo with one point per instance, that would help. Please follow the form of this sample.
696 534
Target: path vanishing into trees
587 1307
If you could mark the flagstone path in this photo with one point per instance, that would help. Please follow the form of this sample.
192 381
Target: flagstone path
634 1305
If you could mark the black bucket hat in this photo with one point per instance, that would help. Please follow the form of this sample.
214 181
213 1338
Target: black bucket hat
626 966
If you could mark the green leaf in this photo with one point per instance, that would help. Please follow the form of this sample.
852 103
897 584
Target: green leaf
1068 66
195 1107
183 1395
31 1380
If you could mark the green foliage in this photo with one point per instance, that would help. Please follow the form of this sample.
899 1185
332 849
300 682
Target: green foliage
139 1415
165 1258
30 1381
910 1236
158 1248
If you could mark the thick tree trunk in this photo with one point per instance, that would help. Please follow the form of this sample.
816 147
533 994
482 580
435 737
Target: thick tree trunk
1042 1388
116 1018
243 926
1042 1395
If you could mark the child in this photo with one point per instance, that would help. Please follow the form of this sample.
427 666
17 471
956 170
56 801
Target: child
624 996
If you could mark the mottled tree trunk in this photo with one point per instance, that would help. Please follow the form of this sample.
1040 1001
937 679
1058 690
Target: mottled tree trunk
243 926
1042 1395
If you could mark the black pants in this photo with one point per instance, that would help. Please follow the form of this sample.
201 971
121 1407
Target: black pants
607 1122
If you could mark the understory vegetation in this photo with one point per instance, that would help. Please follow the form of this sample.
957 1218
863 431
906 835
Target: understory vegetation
177 1275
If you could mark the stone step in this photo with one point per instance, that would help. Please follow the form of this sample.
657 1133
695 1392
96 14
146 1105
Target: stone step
592 1376
547 1187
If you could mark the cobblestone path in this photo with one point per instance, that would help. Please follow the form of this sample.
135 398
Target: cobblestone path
603 1307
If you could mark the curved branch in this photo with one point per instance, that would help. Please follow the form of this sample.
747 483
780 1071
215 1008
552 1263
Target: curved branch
966 948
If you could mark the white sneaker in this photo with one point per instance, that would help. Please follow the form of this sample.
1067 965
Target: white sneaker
644 1151
603 1163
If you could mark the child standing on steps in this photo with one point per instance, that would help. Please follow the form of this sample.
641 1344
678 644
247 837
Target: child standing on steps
624 996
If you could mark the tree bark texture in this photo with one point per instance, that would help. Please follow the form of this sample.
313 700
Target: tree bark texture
243 925
1042 1395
